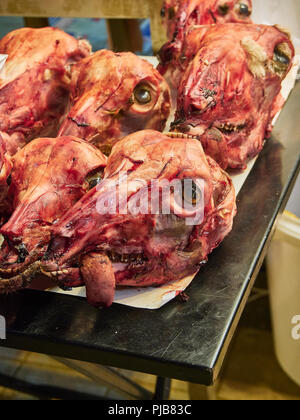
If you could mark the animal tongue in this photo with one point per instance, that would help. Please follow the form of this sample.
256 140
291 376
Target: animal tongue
98 273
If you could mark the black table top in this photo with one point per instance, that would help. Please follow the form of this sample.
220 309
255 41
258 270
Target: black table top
186 341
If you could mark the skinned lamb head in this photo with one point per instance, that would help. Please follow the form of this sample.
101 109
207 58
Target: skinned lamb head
179 15
228 93
34 87
127 232
115 95
182 16
49 176
35 81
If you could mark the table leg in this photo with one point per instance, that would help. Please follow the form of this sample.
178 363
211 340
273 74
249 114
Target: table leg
34 22
162 389
124 35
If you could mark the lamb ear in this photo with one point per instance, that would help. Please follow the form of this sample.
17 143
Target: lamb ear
257 57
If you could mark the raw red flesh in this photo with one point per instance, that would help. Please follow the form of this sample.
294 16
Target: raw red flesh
34 87
154 248
104 105
35 81
181 16
228 94
48 178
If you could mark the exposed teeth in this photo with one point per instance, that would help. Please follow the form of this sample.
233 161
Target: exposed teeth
175 135
9 270
47 273
137 259
130 259
230 127
53 274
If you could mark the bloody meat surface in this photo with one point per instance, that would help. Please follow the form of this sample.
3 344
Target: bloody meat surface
35 81
49 176
181 16
34 89
230 90
114 95
123 246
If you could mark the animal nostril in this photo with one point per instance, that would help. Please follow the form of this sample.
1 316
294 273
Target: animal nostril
194 109
195 15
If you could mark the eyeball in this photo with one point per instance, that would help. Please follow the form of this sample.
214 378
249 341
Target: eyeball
223 9
191 193
281 58
142 95
244 10
94 179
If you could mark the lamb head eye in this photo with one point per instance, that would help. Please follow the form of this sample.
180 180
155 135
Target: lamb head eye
191 193
94 179
142 94
244 10
280 55
282 58
223 9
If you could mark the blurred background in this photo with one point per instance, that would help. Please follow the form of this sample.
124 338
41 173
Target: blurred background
97 31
